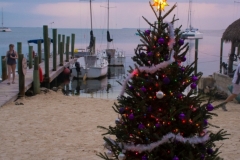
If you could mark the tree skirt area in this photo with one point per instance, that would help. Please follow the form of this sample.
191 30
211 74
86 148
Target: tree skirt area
53 126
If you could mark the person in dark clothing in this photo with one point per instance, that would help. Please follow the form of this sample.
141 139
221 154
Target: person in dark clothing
11 57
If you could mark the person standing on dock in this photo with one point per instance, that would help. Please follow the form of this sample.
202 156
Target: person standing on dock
236 87
11 56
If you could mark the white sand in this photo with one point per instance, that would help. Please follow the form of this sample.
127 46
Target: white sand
53 126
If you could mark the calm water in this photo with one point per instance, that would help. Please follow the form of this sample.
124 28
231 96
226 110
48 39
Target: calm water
208 49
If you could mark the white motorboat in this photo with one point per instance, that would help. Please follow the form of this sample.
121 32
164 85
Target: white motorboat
4 29
191 32
115 57
89 67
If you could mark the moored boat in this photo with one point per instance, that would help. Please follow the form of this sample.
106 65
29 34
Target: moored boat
115 57
89 67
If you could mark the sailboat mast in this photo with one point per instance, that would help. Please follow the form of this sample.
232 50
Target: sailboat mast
2 17
108 16
108 43
91 12
190 14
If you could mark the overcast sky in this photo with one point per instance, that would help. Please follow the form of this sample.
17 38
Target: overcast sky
206 14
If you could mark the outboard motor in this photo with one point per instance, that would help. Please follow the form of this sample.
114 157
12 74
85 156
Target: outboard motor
78 69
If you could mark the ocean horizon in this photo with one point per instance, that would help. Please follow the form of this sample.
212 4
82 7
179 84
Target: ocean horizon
125 39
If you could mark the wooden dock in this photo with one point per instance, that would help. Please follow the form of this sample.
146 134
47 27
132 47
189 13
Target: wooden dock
9 93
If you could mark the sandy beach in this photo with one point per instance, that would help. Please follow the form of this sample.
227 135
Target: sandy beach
51 126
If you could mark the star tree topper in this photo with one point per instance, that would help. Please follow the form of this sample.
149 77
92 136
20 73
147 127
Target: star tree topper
160 4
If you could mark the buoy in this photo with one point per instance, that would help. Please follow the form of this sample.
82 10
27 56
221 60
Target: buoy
66 71
33 54
40 74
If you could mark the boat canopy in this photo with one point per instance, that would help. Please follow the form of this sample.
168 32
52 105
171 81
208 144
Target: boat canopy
36 41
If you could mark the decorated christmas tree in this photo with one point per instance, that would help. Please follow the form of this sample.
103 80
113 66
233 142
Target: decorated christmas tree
157 119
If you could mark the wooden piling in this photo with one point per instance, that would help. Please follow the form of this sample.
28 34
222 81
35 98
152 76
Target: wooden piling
63 47
36 81
67 48
221 53
39 51
61 53
59 40
30 56
196 56
49 46
54 49
231 58
4 68
46 53
21 79
72 45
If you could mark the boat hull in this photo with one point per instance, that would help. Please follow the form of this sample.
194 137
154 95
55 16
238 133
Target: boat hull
192 35
5 29
118 61
114 57
90 73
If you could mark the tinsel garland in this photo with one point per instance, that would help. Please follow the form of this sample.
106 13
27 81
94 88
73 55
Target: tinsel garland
170 137
153 69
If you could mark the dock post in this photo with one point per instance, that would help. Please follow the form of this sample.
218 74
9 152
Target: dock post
221 50
59 40
36 81
40 51
63 47
49 46
231 58
54 49
72 45
61 53
4 69
30 56
67 48
196 56
46 53
21 75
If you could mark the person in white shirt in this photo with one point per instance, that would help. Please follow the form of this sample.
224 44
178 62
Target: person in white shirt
236 87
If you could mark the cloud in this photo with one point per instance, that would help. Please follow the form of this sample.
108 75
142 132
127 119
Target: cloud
64 9
209 14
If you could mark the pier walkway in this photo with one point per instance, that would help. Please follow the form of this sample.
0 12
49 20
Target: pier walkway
9 93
